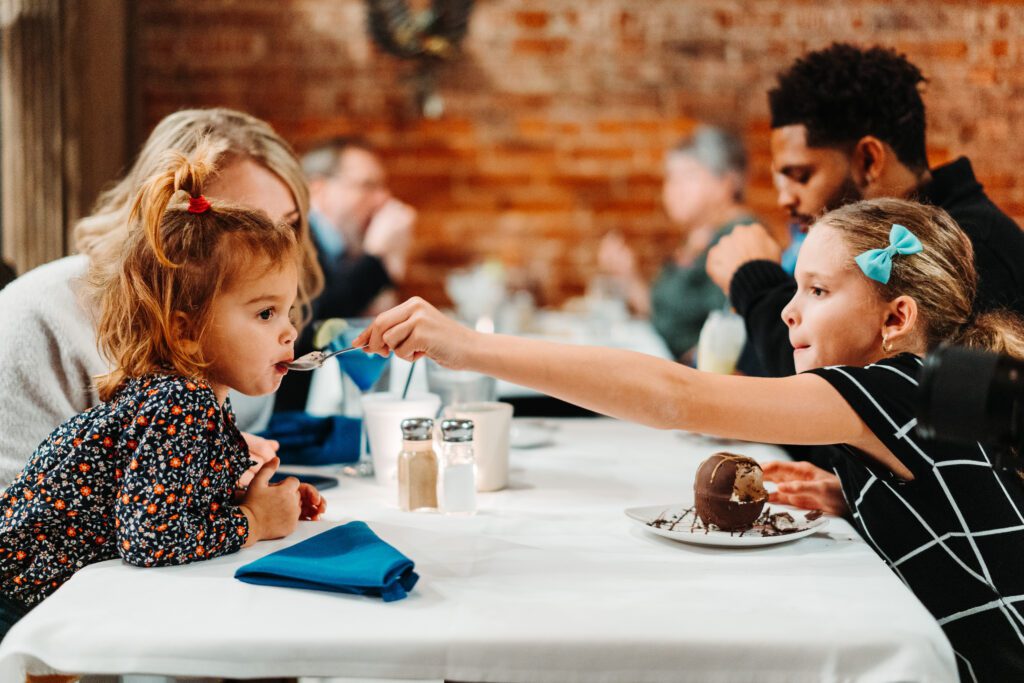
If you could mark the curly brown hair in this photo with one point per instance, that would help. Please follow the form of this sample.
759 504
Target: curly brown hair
156 305
843 92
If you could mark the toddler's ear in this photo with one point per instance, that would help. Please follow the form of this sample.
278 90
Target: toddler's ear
184 335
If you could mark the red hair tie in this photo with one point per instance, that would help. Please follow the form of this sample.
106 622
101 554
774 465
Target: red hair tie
198 204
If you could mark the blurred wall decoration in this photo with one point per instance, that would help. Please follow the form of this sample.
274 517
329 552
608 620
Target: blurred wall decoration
429 36
557 112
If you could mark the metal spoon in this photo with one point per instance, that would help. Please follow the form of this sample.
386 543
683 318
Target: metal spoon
314 359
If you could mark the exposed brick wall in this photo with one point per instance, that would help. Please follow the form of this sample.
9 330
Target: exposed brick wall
558 113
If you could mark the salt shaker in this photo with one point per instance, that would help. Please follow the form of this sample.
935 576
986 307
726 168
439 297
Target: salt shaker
458 468
417 466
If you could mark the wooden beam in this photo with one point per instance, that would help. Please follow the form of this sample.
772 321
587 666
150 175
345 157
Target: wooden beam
63 107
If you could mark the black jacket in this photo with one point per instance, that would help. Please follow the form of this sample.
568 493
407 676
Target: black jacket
761 289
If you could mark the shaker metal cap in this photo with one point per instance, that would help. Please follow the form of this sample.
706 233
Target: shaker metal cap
457 430
417 429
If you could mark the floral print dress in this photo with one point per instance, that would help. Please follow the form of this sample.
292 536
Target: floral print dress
149 476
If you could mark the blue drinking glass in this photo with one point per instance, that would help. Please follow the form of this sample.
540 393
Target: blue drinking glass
364 369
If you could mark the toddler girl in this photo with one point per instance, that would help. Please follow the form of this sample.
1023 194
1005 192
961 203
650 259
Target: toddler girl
880 283
199 305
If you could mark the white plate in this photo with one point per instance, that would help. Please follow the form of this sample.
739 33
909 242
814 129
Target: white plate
682 532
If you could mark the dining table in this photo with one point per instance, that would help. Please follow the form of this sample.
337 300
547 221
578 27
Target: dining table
550 581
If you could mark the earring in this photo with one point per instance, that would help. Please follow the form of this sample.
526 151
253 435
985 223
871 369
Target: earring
886 346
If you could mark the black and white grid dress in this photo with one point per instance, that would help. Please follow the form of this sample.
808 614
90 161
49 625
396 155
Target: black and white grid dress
954 535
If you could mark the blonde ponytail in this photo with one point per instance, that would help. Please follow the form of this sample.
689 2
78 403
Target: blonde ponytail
998 331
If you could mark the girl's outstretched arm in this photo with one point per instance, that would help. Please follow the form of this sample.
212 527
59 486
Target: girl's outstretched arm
803 409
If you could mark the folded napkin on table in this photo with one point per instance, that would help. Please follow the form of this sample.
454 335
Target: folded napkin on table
312 440
347 559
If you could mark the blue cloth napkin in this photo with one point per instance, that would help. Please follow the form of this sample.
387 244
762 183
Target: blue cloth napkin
311 440
346 559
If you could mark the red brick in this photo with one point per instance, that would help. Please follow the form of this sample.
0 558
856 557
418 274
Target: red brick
541 46
939 49
532 19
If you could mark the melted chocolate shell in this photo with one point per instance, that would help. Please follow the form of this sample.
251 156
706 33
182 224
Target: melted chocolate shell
729 491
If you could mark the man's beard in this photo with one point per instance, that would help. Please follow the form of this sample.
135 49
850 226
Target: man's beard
846 193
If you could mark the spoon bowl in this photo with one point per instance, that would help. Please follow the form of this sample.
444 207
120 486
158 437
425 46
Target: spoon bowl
316 359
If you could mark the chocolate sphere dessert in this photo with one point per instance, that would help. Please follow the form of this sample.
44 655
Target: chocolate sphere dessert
729 491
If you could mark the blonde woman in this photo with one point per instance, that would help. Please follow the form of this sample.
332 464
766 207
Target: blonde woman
48 351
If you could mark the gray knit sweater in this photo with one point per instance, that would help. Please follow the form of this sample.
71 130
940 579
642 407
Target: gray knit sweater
48 358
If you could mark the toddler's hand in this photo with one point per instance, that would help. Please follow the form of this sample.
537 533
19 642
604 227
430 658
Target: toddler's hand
312 503
262 451
273 509
803 485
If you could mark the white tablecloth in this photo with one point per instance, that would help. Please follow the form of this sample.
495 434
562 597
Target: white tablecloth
549 582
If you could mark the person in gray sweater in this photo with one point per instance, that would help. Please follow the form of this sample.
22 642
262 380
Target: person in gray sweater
48 350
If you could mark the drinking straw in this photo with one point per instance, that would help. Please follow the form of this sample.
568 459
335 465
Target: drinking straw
408 380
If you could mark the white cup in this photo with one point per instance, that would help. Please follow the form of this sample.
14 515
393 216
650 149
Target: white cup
382 416
492 424
460 386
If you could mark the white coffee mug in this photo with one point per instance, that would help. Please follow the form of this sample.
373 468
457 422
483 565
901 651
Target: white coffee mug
382 416
492 424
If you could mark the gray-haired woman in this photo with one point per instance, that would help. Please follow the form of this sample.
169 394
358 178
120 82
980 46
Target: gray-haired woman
702 194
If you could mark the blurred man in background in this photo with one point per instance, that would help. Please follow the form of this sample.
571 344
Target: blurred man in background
362 235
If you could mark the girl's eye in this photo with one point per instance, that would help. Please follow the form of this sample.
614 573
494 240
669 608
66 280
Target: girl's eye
266 314
817 291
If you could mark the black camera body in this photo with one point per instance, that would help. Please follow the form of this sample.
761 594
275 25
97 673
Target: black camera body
966 396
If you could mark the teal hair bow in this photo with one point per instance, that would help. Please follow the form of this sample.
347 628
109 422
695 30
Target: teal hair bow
877 263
